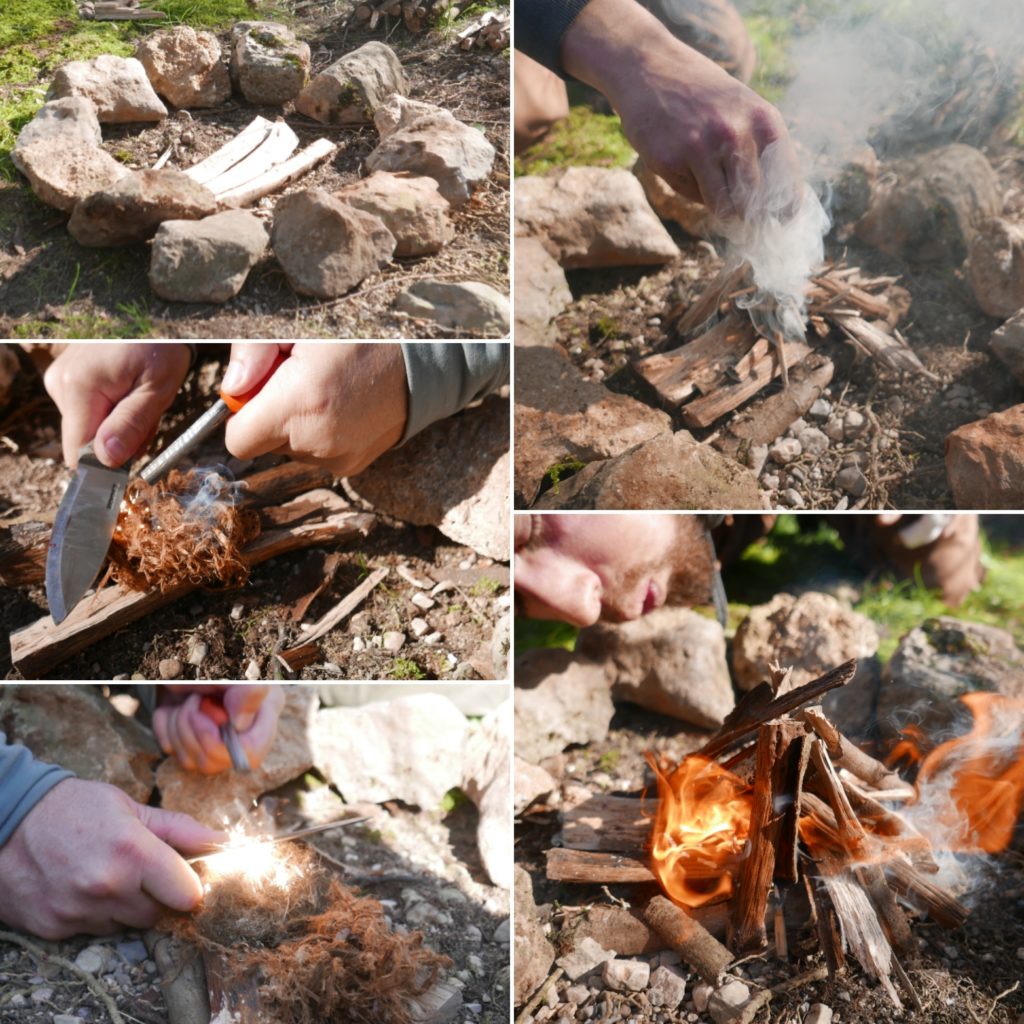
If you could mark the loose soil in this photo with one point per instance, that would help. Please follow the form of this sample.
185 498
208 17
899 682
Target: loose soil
248 626
52 287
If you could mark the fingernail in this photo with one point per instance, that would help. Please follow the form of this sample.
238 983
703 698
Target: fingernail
233 377
116 452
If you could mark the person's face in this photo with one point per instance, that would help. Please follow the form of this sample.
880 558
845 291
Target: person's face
582 568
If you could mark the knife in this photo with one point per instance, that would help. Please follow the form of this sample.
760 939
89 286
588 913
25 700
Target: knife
89 509
215 710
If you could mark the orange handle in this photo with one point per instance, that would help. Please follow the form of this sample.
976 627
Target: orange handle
211 707
235 402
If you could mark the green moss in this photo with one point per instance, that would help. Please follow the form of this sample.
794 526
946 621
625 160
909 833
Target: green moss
406 668
531 633
585 138
609 760
604 329
561 470
486 586
452 799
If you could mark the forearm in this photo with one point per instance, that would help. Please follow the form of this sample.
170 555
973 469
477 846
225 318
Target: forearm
541 26
444 378
24 781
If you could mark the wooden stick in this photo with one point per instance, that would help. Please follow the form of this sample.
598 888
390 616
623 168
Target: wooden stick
279 144
700 311
250 138
886 348
598 868
690 939
788 841
280 175
348 604
845 754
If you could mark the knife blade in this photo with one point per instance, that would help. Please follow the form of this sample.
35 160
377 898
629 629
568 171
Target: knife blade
88 512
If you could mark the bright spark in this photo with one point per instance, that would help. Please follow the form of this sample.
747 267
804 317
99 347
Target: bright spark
258 863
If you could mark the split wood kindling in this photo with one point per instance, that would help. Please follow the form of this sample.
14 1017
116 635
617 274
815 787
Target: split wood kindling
821 824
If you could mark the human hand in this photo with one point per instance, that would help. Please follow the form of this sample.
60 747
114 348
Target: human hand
114 395
184 729
88 858
339 405
694 125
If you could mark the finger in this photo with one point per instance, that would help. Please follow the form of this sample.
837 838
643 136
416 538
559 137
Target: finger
179 830
140 911
260 738
180 745
243 703
80 418
130 424
163 737
189 718
714 188
261 425
166 877
743 179
250 362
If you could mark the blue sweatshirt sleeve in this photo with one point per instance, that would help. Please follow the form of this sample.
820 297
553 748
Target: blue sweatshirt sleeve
24 781
540 25
444 377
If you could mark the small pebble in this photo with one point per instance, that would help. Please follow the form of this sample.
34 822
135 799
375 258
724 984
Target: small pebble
358 644
813 441
170 668
433 639
757 456
626 975
501 933
770 481
419 627
236 611
91 959
819 1013
252 671
197 652
793 498
852 481
821 409
700 995
421 600
393 641
834 429
854 423
785 451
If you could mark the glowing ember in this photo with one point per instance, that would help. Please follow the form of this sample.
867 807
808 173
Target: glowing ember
249 859
700 829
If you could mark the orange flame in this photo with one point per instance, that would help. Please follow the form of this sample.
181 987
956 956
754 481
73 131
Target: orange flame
700 829
909 749
984 774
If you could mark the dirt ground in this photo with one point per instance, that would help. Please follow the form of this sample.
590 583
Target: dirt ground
619 316
52 287
247 627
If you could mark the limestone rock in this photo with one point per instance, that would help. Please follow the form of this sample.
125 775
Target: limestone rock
533 955
985 461
614 927
62 171
206 260
412 209
424 139
408 749
693 217
928 208
668 988
326 247
626 975
542 291
727 1001
117 86
592 217
669 471
214 799
269 65
453 475
671 661
583 958
72 120
74 726
485 780
467 307
1007 345
353 87
185 67
134 207
531 782
996 267
559 700
560 417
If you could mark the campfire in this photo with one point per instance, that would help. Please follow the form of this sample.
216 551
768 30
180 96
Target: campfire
780 821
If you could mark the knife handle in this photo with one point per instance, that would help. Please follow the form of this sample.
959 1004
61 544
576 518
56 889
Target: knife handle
235 402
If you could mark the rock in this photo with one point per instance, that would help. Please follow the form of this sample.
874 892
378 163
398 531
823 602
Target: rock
268 63
727 1000
811 633
92 959
73 726
117 86
533 952
671 661
327 247
467 307
214 799
351 89
1007 345
834 429
131 209
785 451
501 933
531 782
412 209
668 988
820 410
928 208
542 291
559 700
453 475
583 958
939 661
592 217
626 975
985 461
185 67
996 267
668 204
409 748
670 471
560 417
701 995
170 668
485 780
852 481
819 1013
393 641
197 652
62 171
854 424
206 260
793 498
71 120
133 952
424 139
813 441
614 927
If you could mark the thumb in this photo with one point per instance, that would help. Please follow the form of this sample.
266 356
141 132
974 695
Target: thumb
179 830
250 362
128 427
261 425
242 704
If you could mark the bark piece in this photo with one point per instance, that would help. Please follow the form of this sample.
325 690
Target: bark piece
690 939
590 867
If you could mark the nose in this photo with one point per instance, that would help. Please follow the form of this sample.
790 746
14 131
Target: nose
553 586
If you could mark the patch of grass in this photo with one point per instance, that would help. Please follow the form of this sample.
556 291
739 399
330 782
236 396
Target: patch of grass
531 633
406 668
609 760
585 138
486 586
74 326
604 329
771 36
562 470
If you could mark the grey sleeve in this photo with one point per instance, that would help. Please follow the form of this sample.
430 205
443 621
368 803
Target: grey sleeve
24 781
445 377
540 25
